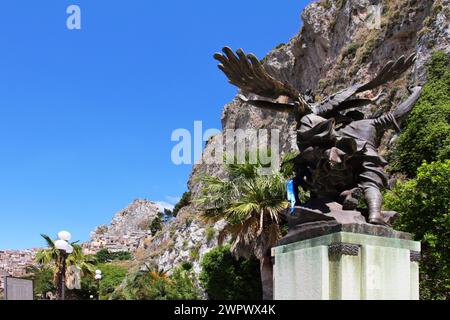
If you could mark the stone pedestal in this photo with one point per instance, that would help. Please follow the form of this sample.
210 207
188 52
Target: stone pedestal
341 264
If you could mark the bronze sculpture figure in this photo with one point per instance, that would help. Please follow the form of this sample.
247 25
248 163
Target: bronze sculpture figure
338 160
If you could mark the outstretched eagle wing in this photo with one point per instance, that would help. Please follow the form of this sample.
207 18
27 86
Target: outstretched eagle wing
247 73
391 71
345 99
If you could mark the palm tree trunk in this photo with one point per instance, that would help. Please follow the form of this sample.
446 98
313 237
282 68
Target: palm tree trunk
266 268
60 284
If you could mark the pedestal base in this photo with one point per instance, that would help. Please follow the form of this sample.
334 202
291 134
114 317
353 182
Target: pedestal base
344 266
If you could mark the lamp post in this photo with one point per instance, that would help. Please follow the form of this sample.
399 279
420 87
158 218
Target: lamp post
62 244
98 277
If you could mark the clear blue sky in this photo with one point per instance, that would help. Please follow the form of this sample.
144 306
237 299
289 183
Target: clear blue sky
86 116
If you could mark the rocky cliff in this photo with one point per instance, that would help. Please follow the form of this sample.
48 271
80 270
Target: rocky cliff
341 42
126 230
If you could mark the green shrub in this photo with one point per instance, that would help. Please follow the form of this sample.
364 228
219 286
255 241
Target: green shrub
438 66
225 278
210 232
184 201
42 280
187 265
424 204
195 252
326 4
167 215
427 133
112 277
351 49
188 221
104 255
156 224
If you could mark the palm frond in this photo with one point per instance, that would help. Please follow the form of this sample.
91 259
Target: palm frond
288 164
251 202
48 240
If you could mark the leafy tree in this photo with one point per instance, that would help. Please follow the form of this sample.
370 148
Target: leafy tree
167 212
252 204
167 215
425 203
112 276
226 278
42 277
104 255
88 290
156 224
184 201
427 133
121 255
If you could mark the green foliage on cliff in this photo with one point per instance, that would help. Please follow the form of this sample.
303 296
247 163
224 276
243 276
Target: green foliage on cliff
425 206
156 224
225 278
112 276
184 201
427 133
104 255
424 201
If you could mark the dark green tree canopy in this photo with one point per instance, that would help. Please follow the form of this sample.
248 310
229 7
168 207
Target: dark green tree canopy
427 133
225 278
425 206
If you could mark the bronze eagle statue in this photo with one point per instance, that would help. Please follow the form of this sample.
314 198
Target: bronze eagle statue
338 158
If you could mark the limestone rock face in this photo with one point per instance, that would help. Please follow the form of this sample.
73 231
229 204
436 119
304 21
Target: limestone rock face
341 42
186 239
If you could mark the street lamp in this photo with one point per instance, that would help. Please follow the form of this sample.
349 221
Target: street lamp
98 277
65 249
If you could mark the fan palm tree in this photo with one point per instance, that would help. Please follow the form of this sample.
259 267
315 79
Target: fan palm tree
51 257
252 205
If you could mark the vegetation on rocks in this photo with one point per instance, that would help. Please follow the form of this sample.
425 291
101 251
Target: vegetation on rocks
425 206
104 255
427 133
112 275
210 233
156 224
184 201
424 201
